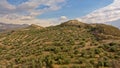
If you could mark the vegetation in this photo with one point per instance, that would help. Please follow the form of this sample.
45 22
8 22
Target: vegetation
70 45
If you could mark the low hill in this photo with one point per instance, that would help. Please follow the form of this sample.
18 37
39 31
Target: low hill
8 27
72 44
105 31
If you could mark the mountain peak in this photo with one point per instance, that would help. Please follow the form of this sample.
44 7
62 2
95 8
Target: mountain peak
73 23
35 26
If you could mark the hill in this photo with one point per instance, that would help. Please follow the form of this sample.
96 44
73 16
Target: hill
8 27
72 44
102 31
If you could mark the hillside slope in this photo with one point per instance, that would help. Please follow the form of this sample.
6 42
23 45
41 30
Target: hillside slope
72 44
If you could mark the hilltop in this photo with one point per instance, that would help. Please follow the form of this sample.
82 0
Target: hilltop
73 23
72 44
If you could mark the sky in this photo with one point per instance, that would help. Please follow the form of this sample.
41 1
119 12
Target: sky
53 12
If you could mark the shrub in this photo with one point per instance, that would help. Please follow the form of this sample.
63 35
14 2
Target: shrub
81 60
97 51
112 49
104 63
49 61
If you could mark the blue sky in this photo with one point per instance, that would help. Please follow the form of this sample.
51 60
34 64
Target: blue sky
71 9
52 12
16 2
77 8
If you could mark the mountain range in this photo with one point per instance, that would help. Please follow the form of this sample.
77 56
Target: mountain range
7 27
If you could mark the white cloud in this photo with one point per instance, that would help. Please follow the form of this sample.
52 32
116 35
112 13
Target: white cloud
27 11
63 18
41 22
106 14
57 21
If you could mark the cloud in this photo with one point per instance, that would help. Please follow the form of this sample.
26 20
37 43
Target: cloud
27 12
63 18
57 21
103 15
41 22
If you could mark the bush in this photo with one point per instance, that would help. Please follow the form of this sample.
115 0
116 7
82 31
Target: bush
112 44
97 51
112 49
81 60
49 60
56 50
62 59
104 63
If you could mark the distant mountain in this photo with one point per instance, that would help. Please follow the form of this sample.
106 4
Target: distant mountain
7 27
72 44
34 26
115 23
